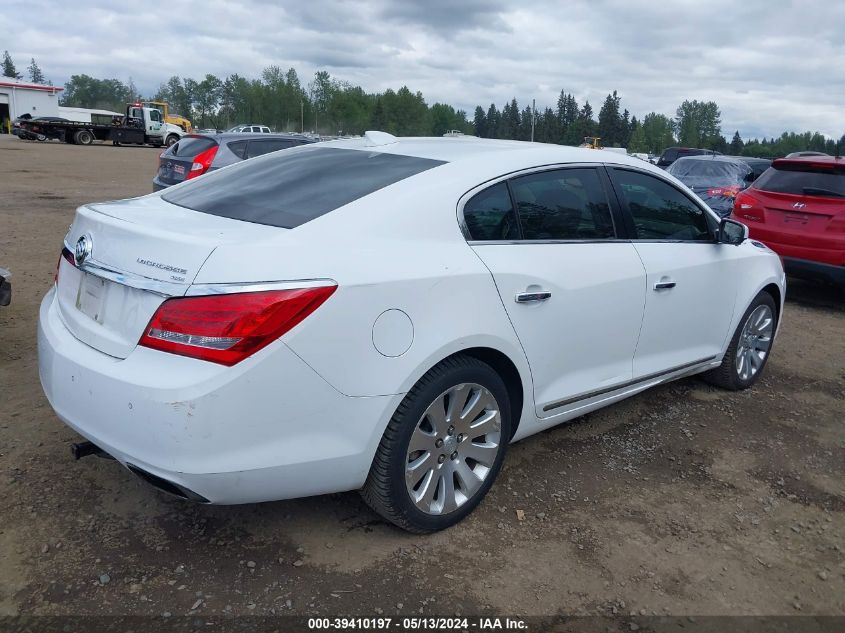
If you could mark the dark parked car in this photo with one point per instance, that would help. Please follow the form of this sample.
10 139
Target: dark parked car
5 287
715 179
197 154
671 154
758 165
797 208
26 135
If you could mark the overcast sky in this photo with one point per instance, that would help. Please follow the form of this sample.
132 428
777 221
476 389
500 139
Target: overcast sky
771 65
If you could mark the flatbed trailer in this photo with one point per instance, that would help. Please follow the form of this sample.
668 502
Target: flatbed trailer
141 125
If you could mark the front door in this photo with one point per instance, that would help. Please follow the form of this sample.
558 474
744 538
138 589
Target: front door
691 282
573 292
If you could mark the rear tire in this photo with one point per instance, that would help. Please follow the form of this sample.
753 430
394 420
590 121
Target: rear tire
83 137
750 348
443 448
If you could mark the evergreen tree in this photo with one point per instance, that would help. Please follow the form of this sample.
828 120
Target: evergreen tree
493 117
586 125
610 122
378 120
35 74
9 69
480 122
736 144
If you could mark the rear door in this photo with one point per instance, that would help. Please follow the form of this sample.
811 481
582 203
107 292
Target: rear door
691 281
573 291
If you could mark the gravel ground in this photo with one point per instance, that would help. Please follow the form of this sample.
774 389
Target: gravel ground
682 500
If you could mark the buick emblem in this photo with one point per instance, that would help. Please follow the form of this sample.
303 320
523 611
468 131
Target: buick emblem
798 205
82 250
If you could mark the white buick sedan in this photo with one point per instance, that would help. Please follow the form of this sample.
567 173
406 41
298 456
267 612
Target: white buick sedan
388 314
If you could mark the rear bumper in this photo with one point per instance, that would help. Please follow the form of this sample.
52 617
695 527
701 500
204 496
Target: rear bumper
268 428
815 271
158 185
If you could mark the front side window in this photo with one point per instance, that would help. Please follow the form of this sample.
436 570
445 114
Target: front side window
564 204
489 215
659 210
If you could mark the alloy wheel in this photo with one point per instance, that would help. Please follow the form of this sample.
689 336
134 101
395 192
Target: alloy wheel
754 342
453 448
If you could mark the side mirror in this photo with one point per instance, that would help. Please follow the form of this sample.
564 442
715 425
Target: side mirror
732 232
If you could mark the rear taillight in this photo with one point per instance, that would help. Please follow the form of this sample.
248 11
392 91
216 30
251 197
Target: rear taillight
228 328
746 207
65 254
725 192
202 162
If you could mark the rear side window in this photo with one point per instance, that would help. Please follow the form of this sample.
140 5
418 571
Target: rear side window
238 148
259 148
807 181
190 146
565 204
489 215
659 210
287 189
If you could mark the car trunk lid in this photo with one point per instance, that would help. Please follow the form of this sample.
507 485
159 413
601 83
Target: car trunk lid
140 252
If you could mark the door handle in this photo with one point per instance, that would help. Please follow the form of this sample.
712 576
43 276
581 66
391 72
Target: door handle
530 297
664 285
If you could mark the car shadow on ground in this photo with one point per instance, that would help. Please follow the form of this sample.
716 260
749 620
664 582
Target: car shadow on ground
815 295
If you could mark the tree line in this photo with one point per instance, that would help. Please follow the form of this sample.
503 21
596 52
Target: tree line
331 106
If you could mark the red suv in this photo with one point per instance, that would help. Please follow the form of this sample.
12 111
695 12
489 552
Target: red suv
797 208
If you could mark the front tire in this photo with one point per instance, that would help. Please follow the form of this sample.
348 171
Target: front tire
443 448
750 346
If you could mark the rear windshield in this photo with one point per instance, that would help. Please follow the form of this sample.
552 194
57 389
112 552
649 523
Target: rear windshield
707 172
190 146
669 155
290 188
803 180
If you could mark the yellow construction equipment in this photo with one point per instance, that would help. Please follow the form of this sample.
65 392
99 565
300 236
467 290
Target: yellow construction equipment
591 142
175 119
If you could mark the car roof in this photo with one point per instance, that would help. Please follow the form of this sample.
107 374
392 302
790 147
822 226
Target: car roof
836 163
708 158
242 136
752 159
462 149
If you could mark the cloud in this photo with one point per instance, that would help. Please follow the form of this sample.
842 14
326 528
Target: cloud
770 65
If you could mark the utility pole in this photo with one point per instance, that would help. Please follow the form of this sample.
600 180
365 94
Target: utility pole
533 117
302 116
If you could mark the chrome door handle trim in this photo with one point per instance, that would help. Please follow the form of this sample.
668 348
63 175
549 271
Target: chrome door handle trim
664 285
529 297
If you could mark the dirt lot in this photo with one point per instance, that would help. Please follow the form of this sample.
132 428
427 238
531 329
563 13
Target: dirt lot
683 500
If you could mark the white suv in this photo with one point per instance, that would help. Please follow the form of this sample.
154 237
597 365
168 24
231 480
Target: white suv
250 129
